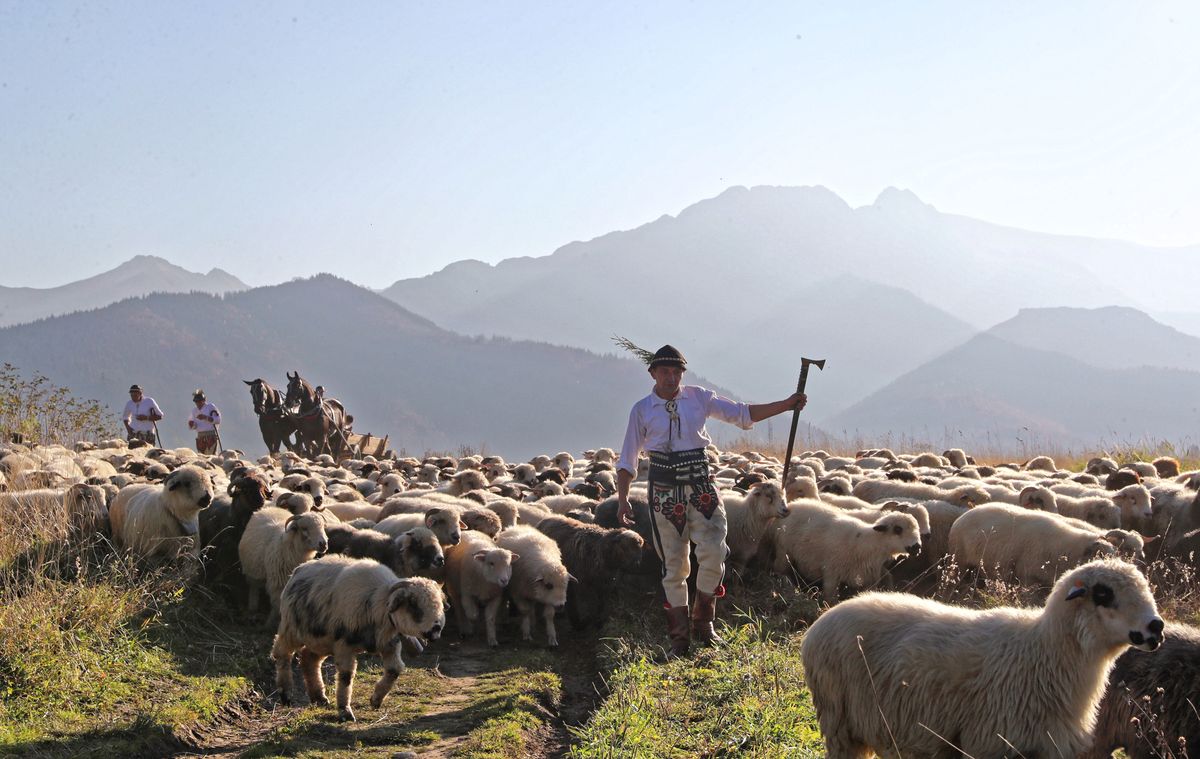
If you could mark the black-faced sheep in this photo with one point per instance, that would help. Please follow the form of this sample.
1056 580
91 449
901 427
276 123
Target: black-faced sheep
273 544
341 607
152 520
415 552
904 676
596 557
539 579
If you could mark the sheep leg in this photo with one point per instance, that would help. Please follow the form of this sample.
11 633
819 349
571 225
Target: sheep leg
347 663
393 665
310 669
574 613
252 593
489 619
829 588
551 633
282 654
467 612
526 610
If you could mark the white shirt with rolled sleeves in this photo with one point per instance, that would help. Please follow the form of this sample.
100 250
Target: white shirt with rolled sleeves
208 410
650 425
142 407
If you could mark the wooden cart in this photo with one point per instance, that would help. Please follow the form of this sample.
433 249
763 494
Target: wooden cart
363 445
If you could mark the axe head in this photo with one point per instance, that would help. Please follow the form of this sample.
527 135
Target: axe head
807 362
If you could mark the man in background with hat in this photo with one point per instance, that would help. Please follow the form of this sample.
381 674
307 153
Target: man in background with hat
140 415
204 419
684 505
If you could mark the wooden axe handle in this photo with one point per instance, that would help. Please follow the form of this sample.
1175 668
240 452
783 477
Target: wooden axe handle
804 364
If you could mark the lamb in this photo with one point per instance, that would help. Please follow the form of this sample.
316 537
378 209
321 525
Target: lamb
957 457
477 572
444 523
820 541
596 557
464 482
300 483
749 517
1033 546
341 607
150 520
883 490
409 554
801 487
506 509
539 579
274 543
564 461
878 667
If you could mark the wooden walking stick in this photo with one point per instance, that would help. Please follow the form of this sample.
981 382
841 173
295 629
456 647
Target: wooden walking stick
157 437
804 364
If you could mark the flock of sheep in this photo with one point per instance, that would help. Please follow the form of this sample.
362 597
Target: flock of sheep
367 556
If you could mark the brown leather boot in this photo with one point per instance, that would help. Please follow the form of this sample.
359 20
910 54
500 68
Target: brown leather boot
704 611
678 632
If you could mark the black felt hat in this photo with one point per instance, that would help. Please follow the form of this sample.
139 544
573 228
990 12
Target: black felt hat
668 355
135 388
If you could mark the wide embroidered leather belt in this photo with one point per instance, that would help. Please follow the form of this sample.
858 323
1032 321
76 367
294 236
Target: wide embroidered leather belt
679 467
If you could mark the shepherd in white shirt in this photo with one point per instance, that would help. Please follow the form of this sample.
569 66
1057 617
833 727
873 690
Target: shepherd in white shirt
684 505
140 415
204 419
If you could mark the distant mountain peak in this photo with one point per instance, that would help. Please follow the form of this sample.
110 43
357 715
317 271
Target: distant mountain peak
905 201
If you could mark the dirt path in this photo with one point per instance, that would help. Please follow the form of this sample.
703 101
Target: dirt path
452 688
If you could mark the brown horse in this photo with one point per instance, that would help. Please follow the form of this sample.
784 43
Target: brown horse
320 423
274 421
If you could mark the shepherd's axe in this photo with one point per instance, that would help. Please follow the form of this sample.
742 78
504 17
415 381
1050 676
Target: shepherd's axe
804 364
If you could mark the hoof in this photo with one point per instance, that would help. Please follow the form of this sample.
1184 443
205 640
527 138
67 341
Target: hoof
285 699
347 716
376 702
321 701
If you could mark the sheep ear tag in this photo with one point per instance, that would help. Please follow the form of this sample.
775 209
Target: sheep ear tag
1078 591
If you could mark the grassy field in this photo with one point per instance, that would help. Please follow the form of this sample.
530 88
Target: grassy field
99 657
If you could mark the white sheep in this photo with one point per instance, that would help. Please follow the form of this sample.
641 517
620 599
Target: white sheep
477 572
274 543
905 676
341 607
883 490
446 523
749 517
387 486
539 579
1033 546
154 520
354 510
561 504
821 541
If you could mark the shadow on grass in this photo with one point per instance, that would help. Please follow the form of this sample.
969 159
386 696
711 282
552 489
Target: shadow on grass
141 739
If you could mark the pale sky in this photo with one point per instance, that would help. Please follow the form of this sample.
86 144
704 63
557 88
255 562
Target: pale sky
384 140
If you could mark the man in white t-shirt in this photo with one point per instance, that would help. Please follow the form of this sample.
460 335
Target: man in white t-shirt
140 415
684 505
204 420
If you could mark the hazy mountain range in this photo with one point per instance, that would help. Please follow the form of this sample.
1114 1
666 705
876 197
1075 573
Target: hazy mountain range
1075 349
141 275
397 373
